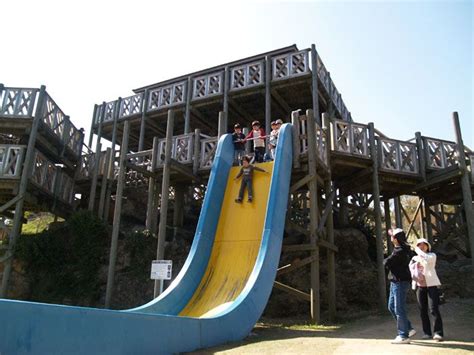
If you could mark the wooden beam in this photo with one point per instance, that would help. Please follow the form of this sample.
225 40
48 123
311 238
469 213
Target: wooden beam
293 291
297 264
281 102
300 183
10 203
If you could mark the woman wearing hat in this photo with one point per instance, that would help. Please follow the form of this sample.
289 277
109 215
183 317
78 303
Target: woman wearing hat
400 278
422 267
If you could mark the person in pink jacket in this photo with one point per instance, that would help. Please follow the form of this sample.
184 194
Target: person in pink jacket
422 268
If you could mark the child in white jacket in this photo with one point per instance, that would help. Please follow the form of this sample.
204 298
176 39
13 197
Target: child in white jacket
422 267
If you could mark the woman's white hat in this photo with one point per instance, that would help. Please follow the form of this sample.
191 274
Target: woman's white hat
423 240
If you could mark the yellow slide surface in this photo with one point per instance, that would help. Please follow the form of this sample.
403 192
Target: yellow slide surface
236 246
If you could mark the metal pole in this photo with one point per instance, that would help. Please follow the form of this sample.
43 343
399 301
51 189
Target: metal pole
313 217
268 97
378 218
465 186
117 214
314 83
141 140
164 194
26 173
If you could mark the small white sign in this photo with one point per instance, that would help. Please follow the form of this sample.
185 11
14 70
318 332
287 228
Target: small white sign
161 269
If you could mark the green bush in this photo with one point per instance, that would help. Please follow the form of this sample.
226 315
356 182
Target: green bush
63 264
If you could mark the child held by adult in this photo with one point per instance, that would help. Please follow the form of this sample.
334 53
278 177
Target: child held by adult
400 278
422 267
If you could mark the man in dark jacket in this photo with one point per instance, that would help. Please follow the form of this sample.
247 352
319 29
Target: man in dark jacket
400 280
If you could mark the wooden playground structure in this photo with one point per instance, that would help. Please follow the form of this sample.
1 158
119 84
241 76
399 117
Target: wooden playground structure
168 134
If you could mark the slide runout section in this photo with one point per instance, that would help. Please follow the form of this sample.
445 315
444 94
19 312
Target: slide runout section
34 328
236 245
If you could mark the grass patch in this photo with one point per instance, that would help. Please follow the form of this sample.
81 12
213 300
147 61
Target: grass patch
37 223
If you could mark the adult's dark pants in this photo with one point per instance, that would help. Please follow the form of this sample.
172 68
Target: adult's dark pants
428 300
246 182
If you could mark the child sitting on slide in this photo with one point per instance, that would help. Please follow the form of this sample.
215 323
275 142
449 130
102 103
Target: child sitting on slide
246 171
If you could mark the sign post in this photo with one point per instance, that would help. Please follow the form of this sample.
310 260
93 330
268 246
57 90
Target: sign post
161 270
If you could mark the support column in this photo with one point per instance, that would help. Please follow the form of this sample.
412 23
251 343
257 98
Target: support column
98 148
178 209
25 175
268 97
141 140
295 121
388 224
398 212
187 111
91 133
103 187
465 186
225 122
197 150
378 218
315 306
314 84
150 209
429 227
343 210
221 124
117 215
330 226
160 252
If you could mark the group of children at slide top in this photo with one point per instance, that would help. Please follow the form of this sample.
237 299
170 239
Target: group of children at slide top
257 135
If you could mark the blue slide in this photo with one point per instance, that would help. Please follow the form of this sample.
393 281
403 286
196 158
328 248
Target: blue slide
217 297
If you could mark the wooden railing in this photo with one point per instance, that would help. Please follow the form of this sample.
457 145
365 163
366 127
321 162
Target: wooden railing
350 138
397 156
439 154
11 160
320 135
20 103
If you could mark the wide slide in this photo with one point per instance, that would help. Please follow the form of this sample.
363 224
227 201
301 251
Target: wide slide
217 297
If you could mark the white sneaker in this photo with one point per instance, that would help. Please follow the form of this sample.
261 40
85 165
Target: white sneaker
400 340
411 333
438 337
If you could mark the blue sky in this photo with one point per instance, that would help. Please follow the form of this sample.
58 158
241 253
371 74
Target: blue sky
403 65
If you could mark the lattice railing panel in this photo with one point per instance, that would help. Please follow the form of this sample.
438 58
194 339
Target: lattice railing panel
321 142
323 73
350 138
290 65
141 159
390 159
208 152
246 76
17 102
109 111
439 154
408 158
130 106
398 156
183 148
44 173
342 137
11 160
166 96
66 188
209 85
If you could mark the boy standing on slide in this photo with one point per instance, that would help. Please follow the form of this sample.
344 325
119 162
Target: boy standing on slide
246 171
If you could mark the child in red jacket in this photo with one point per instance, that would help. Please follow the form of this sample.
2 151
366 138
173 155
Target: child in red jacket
257 134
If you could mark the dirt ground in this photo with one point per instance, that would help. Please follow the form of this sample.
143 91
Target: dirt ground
368 335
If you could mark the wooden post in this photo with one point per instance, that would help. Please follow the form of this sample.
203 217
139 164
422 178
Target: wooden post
117 214
150 209
197 150
314 83
465 186
25 175
421 155
221 124
112 160
91 133
225 122
141 140
245 131
388 224
378 219
268 97
398 212
97 160
103 187
343 210
330 226
295 121
313 217
187 110
429 227
179 190
160 251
